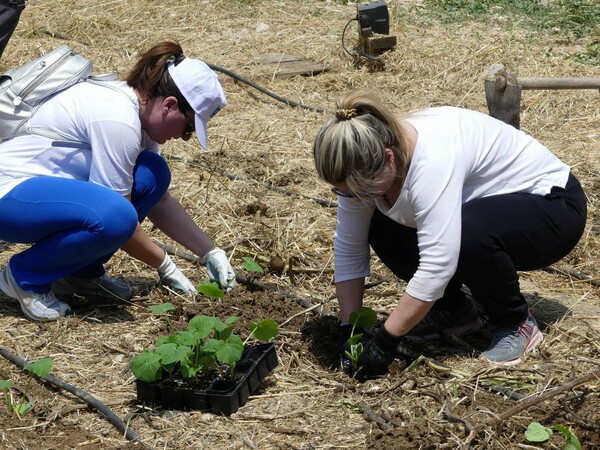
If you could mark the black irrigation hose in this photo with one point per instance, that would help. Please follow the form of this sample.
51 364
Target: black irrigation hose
579 276
265 91
89 399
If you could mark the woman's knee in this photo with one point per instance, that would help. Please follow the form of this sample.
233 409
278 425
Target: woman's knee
118 221
151 175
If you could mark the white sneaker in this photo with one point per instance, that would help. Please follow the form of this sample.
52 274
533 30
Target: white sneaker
43 307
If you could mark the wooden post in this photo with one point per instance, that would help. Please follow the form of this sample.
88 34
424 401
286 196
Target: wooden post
503 91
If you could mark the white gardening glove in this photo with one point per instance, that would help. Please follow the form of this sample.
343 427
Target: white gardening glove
219 269
174 278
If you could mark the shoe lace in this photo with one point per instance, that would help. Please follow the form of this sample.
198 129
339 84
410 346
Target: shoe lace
507 337
48 300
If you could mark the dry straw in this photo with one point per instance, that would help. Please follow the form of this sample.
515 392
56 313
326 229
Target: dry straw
306 404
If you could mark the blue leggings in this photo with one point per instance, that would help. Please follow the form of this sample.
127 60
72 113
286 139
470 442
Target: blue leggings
501 235
75 226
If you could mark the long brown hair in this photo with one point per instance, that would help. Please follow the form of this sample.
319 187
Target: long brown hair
150 77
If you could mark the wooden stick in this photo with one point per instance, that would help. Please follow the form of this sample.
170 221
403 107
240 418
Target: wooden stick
558 83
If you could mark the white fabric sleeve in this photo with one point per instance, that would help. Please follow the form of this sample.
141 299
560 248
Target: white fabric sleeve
436 193
351 244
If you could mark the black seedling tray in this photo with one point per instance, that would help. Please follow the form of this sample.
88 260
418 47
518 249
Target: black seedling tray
221 397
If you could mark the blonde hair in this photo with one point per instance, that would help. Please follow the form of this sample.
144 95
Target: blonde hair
351 147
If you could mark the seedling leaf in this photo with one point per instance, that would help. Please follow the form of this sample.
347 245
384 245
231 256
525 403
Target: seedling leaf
162 308
354 339
225 333
172 353
365 317
211 290
186 338
264 330
6 384
146 366
572 441
202 326
252 266
170 339
536 432
231 319
41 368
21 409
230 351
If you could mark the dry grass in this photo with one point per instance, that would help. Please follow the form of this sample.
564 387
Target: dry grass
264 142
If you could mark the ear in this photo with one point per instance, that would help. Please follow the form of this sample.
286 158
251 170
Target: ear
168 104
389 156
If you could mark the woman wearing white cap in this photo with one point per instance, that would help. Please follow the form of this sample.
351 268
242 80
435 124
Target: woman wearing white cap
79 200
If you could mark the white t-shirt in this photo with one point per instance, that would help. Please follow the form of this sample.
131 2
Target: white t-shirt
460 155
103 120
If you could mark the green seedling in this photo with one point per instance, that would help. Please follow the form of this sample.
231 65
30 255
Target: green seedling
537 432
252 266
207 342
264 330
212 291
163 309
364 318
22 406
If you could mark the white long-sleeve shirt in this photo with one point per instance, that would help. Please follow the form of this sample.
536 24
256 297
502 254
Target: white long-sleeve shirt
460 155
103 120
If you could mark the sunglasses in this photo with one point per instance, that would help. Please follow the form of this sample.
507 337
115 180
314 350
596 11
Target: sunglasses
336 191
191 126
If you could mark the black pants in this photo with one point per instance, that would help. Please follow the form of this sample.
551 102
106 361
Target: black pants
500 235
10 11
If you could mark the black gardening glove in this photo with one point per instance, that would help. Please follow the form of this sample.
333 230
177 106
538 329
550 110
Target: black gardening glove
377 355
344 350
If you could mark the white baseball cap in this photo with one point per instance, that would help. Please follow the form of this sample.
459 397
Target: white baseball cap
201 88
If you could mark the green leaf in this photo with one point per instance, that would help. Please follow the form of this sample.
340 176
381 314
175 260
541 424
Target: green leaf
355 339
202 326
6 384
230 351
224 334
172 353
365 317
205 361
252 266
162 308
211 290
170 339
536 432
231 319
264 330
41 368
146 366
22 408
186 338
188 370
572 441
212 345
